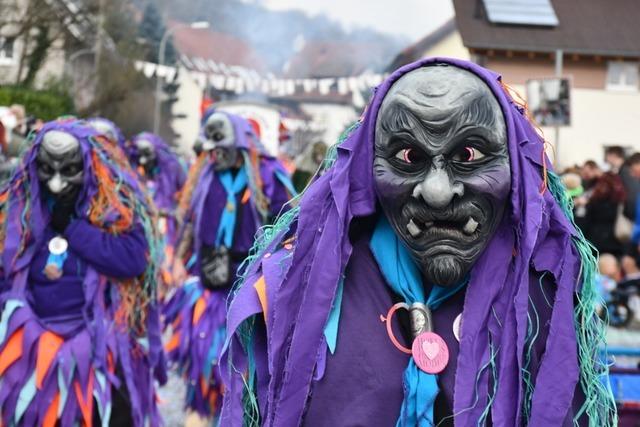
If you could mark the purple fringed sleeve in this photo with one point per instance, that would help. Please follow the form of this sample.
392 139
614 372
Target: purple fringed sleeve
121 256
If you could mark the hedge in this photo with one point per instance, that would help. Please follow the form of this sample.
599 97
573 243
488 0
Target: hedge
43 104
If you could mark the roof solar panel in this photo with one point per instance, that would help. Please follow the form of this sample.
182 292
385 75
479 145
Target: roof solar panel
521 12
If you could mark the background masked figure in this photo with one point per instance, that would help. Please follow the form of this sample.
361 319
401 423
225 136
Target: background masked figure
110 130
163 176
119 148
80 332
233 189
307 164
438 202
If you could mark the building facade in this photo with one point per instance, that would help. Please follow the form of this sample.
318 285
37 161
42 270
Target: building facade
596 45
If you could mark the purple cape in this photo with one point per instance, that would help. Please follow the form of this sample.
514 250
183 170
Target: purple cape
295 298
81 360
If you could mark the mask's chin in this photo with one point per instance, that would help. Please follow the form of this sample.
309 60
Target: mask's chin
225 159
221 167
444 270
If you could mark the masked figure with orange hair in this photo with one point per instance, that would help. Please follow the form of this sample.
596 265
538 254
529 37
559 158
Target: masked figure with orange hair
79 330
234 188
161 172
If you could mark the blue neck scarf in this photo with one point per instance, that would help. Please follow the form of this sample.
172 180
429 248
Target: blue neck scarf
232 186
403 276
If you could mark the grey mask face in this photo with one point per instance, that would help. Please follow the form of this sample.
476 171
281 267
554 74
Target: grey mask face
220 141
105 129
441 168
145 154
60 164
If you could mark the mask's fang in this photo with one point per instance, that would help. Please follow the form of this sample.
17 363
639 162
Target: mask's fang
471 226
413 229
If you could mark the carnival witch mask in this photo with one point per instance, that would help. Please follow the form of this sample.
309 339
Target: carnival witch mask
60 165
146 155
441 168
220 141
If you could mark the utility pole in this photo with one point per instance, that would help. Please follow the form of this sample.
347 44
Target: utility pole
99 45
558 69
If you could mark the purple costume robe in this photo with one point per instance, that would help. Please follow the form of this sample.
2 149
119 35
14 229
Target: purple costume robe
528 347
64 344
198 315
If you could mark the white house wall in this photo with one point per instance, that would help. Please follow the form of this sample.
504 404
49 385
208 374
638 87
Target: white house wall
188 103
333 118
450 46
600 118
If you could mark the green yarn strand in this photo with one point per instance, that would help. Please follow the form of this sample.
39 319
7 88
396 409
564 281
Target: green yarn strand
599 406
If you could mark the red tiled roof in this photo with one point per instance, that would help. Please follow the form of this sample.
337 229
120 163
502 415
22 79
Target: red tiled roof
332 59
215 46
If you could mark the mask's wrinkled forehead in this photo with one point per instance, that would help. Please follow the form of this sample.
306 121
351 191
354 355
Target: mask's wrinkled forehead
60 144
104 128
219 132
440 101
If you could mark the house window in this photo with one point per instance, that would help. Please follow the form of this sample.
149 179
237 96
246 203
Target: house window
623 76
6 50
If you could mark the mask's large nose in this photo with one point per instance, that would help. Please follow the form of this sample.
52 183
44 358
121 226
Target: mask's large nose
438 189
56 184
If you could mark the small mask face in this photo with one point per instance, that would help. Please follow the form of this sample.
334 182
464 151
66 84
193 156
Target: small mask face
60 164
145 154
441 168
104 128
220 141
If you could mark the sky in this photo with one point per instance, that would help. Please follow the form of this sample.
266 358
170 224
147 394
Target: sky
412 19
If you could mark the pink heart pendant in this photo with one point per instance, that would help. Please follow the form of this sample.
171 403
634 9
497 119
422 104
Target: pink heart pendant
430 349
430 352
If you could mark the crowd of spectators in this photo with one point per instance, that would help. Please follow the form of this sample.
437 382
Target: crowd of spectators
15 126
606 208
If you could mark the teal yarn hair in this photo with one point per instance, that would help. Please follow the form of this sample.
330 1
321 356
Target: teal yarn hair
599 406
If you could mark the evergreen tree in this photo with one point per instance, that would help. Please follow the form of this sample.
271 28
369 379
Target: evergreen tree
151 30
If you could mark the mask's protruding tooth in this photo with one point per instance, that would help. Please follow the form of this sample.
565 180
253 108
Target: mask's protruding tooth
471 226
413 229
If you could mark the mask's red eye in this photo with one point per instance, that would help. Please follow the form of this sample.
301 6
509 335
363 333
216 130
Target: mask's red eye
468 154
409 155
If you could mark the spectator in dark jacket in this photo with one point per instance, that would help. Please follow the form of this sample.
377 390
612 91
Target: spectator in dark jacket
615 158
606 194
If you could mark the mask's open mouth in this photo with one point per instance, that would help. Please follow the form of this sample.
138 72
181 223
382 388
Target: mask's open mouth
466 226
462 221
